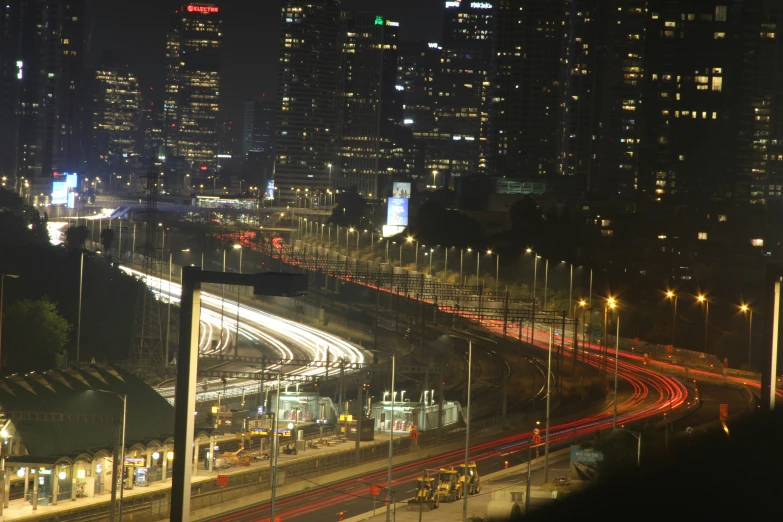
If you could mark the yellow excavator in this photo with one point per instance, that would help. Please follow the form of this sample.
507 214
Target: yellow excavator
474 481
449 486
425 492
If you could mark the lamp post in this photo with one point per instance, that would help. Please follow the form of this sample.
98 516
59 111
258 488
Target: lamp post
610 304
2 290
267 283
546 280
432 253
616 367
469 250
79 315
389 494
671 295
236 331
745 309
118 468
409 239
467 436
168 313
703 299
548 400
638 437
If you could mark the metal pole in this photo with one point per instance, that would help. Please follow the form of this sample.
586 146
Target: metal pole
639 451
446 264
168 313
467 436
391 445
185 395
750 332
706 325
546 281
529 466
122 450
497 271
79 320
275 449
460 266
533 316
548 396
674 322
2 291
571 290
616 366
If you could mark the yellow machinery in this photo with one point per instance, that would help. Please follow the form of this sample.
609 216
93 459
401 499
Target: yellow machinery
474 481
449 486
425 492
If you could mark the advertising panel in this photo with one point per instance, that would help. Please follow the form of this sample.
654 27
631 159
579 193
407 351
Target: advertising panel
397 213
71 199
59 193
401 189
585 463
270 189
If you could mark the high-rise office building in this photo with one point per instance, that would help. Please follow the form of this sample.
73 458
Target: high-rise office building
116 114
258 139
368 44
463 87
192 93
527 76
308 82
43 125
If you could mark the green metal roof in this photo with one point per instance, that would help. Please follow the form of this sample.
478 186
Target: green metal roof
67 412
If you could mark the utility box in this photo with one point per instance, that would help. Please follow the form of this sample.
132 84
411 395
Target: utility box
366 429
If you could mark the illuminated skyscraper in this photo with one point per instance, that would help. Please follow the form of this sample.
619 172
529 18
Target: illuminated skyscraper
308 82
192 93
116 114
368 75
42 88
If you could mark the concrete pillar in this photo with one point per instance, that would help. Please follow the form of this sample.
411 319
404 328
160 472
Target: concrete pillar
55 485
6 484
149 458
74 482
26 481
195 458
165 457
211 453
35 489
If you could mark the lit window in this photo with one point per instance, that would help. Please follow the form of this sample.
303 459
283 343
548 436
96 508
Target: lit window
719 35
722 218
720 13
717 83
702 236
758 242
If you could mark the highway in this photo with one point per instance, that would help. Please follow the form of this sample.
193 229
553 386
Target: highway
263 333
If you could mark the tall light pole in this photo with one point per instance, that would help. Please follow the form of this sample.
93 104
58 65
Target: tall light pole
79 316
118 468
535 278
671 295
168 312
2 291
469 250
702 299
548 400
389 498
467 436
236 332
409 239
432 251
546 280
745 309
616 367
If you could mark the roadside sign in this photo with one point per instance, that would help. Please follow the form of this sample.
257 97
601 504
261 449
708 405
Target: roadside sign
598 333
375 490
724 412
414 435
222 480
536 436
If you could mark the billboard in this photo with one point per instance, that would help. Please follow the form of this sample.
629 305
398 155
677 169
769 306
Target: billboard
397 213
270 189
585 463
59 193
71 180
401 190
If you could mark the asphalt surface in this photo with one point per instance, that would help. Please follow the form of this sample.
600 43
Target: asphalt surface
711 397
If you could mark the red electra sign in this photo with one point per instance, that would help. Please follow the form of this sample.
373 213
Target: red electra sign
202 9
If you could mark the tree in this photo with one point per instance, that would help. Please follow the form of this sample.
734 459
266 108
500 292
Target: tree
33 337
76 237
107 239
349 209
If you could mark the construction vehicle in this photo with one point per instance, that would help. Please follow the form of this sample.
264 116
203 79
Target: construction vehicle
449 486
425 492
474 481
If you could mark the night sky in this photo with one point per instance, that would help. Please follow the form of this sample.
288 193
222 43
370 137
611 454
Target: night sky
134 32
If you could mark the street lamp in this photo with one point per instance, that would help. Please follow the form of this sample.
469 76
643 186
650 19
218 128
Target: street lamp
236 332
389 494
267 283
612 304
638 445
746 309
434 178
703 299
671 295
409 239
118 468
2 289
